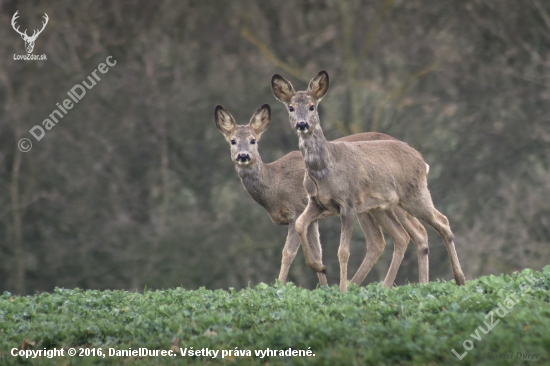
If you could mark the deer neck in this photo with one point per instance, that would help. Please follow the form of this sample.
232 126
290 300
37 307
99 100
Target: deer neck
315 150
255 179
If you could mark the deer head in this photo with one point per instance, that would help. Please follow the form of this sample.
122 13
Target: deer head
243 139
29 40
302 106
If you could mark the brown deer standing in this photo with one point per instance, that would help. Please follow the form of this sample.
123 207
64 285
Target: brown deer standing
348 179
278 187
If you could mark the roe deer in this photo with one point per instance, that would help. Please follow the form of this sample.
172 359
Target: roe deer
278 187
348 179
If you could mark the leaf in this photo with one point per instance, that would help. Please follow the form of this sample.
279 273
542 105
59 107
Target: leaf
210 333
262 286
175 345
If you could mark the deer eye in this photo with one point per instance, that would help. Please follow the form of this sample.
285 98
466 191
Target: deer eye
291 109
252 141
312 108
233 142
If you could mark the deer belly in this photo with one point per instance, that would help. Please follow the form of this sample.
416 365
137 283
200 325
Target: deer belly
280 217
369 202
328 204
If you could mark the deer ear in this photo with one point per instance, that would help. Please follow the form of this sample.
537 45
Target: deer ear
224 121
282 88
318 86
259 122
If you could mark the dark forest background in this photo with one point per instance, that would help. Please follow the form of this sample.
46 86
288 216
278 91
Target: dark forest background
134 187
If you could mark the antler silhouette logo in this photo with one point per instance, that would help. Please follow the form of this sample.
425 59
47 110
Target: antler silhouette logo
29 41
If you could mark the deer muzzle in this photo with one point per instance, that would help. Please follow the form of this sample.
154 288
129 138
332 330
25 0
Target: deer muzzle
243 158
302 126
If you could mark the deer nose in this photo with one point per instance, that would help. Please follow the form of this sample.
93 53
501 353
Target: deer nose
243 157
302 126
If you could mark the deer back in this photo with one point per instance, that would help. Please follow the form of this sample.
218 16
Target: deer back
281 192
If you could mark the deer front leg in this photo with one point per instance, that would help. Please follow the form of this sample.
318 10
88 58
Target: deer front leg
291 248
289 251
316 250
347 219
312 212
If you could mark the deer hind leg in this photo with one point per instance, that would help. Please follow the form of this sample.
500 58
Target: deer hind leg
443 228
422 208
419 236
289 252
303 224
391 225
375 246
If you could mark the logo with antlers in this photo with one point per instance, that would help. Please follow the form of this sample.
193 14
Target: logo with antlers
29 40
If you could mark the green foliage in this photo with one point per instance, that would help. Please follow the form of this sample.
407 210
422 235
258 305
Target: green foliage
413 324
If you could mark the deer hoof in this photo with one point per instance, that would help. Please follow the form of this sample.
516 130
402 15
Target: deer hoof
317 267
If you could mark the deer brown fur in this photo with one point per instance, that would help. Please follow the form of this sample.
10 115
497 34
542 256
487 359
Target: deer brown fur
348 179
278 187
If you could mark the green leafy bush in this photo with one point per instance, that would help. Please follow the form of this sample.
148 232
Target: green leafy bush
371 325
